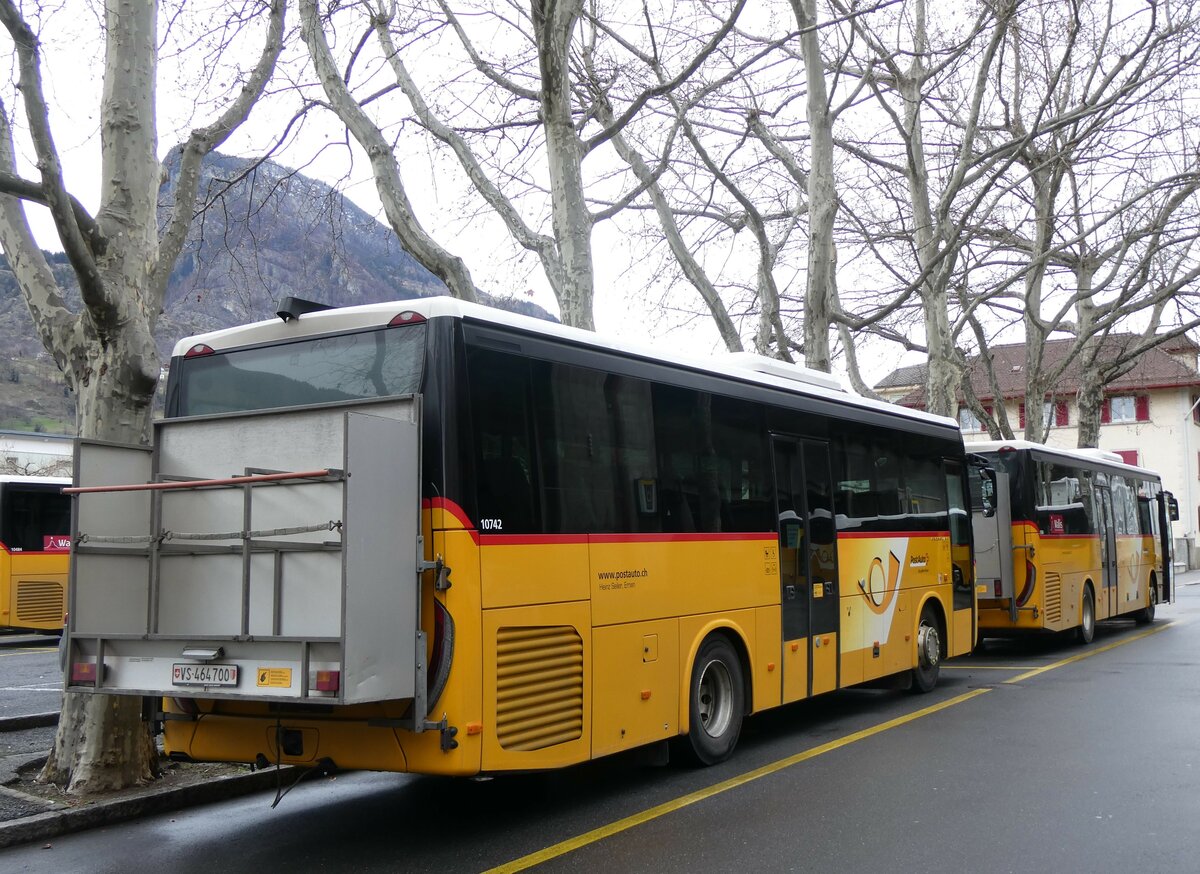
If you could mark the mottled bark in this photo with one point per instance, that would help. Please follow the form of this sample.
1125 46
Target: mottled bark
1090 398
553 24
107 352
822 195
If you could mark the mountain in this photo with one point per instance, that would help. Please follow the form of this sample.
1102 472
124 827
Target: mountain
263 232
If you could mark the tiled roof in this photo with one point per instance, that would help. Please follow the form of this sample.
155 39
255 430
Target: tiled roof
903 377
1156 368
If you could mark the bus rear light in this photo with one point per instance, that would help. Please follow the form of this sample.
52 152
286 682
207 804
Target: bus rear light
327 681
83 673
442 654
199 350
996 583
408 317
1030 582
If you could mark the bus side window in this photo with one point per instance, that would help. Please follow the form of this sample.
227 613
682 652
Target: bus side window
503 456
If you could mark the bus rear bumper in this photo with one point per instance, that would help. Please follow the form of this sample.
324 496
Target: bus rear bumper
351 741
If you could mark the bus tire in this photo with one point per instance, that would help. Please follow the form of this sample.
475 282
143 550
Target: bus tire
929 651
1146 615
1087 620
717 702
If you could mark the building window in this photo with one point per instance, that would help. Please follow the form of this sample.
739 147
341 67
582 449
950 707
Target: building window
969 420
1129 456
1125 408
1054 415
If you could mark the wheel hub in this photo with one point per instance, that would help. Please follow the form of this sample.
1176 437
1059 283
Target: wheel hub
929 646
715 698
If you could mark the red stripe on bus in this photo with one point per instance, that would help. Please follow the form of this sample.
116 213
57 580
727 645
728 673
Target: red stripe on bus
684 538
552 539
532 539
869 535
448 506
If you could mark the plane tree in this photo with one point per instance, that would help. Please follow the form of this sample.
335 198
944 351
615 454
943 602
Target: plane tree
122 258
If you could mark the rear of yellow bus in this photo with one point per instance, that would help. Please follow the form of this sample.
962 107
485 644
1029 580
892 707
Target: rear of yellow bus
35 553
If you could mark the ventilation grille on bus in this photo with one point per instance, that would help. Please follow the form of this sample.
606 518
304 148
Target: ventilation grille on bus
539 687
39 601
1053 597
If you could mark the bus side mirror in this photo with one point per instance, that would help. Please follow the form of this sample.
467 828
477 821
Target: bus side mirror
987 491
1172 508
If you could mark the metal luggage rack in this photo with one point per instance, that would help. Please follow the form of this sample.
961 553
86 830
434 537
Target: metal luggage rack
176 543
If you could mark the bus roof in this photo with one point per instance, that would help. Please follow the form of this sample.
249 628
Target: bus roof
1093 457
743 366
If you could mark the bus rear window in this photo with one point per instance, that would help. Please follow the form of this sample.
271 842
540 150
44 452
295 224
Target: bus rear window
317 370
33 515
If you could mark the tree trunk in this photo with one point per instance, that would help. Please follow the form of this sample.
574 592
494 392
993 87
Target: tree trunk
102 743
554 23
1090 398
822 195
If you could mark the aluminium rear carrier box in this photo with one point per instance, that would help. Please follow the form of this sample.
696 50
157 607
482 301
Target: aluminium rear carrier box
269 556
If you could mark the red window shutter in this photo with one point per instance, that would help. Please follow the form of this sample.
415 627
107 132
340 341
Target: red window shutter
1142 406
1021 415
1105 412
1129 456
1060 414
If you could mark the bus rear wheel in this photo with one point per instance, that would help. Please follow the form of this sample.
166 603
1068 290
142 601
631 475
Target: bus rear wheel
1087 621
1146 615
929 651
717 702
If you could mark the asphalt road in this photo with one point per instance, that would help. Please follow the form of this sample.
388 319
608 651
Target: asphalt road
1029 757
30 676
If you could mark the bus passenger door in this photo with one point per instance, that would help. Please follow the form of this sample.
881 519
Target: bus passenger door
991 521
1107 596
808 567
1164 505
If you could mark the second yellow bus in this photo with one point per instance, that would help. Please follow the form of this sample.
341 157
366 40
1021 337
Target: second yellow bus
1073 537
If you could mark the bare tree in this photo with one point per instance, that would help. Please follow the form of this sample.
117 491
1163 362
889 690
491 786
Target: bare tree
517 112
388 182
107 352
925 91
1099 244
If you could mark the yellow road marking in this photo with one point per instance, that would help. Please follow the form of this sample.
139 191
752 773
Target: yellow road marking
26 652
985 667
629 822
621 825
1091 651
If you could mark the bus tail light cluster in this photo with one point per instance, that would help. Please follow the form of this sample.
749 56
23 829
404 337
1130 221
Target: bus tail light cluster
83 674
326 681
442 654
1030 581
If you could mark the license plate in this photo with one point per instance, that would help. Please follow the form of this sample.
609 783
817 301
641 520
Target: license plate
204 675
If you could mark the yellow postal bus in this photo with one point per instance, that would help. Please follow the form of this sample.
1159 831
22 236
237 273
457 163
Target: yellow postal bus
35 549
1075 537
435 537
